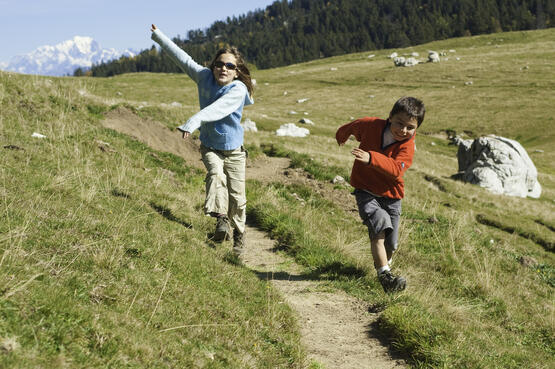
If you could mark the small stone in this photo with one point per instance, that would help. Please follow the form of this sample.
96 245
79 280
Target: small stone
338 180
306 121
527 261
8 344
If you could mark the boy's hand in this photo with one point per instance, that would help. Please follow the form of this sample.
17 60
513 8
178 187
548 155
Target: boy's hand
153 28
361 155
186 135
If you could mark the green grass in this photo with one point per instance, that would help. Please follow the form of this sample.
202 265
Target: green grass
298 160
104 259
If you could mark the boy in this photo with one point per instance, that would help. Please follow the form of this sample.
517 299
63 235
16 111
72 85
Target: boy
385 152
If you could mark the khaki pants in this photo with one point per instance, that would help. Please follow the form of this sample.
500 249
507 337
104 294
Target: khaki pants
225 184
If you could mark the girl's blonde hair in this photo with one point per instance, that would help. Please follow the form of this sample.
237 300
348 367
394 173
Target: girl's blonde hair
243 73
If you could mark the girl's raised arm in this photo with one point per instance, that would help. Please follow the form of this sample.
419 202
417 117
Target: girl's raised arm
180 57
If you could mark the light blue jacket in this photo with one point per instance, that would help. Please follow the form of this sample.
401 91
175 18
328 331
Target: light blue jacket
219 120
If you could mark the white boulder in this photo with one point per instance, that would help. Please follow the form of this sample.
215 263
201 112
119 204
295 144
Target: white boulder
249 125
401 61
290 129
433 57
499 164
411 62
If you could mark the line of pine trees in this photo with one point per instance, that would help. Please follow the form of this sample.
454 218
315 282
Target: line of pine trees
294 31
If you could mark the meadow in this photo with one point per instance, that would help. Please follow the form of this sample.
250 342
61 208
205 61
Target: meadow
105 259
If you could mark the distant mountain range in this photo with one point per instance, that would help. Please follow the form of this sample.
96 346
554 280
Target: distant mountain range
62 59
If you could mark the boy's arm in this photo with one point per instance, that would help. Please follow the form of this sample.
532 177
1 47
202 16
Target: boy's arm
346 130
219 109
180 57
396 166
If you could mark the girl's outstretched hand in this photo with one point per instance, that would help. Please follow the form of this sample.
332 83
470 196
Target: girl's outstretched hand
153 28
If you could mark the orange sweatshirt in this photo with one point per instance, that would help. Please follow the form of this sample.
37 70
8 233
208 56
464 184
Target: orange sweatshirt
383 176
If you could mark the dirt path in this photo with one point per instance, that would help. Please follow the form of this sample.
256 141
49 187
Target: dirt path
336 328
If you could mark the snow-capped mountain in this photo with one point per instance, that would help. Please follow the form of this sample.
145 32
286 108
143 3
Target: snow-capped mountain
63 58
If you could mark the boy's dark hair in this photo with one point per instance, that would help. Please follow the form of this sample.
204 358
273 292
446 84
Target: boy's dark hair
243 73
410 105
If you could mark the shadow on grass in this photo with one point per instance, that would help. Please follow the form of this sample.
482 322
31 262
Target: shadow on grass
167 213
213 243
285 276
281 276
546 244
337 271
117 193
374 331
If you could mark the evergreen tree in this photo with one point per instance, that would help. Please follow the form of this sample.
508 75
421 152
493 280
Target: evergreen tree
294 31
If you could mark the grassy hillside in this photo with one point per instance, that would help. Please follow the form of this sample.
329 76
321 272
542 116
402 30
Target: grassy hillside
105 260
105 257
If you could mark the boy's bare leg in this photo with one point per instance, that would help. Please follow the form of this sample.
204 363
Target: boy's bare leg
389 281
378 250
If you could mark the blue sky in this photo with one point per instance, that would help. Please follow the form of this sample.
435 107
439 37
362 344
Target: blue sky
118 24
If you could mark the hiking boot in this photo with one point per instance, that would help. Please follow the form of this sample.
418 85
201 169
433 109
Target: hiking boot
392 283
238 242
222 229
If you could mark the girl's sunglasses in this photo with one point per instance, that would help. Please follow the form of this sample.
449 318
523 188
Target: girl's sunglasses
220 64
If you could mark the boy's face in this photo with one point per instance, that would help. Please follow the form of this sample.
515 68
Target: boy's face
403 126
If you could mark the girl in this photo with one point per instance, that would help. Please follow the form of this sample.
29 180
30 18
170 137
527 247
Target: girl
224 89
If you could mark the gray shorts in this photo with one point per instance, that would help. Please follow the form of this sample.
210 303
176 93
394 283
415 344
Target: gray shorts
380 214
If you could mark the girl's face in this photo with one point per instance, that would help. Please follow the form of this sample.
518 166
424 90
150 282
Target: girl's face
403 126
225 69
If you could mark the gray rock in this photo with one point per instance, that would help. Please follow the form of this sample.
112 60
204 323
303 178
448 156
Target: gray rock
399 61
433 57
306 121
499 164
338 180
249 125
290 129
528 261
